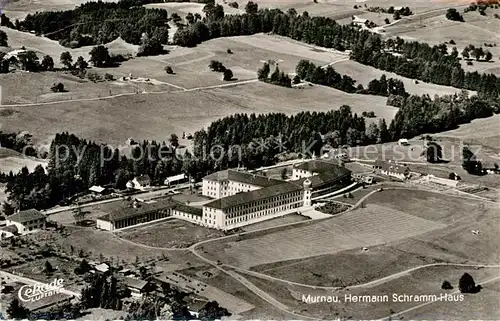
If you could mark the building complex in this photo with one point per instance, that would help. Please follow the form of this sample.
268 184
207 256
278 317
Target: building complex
240 198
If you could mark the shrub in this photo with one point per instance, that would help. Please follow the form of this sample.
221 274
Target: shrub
169 70
109 77
446 286
57 88
93 76
229 51
467 284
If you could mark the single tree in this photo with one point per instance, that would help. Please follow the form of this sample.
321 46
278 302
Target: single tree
488 56
434 152
48 267
169 70
466 284
263 72
387 21
284 173
47 63
3 39
81 64
251 7
99 56
16 311
228 75
174 140
57 88
66 59
446 286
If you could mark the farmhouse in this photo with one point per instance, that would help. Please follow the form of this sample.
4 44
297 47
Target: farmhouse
392 168
27 220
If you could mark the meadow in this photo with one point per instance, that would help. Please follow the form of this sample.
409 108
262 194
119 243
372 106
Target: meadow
368 226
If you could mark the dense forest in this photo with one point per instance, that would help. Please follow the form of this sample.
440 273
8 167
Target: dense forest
99 22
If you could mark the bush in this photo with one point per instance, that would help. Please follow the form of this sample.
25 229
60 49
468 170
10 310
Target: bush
169 70
93 76
467 284
446 286
229 51
109 77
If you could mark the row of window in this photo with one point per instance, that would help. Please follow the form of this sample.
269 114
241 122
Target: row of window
260 214
292 197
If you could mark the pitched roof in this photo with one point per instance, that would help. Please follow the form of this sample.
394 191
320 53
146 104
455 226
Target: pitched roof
325 178
255 195
103 267
318 166
9 228
175 178
188 209
97 189
135 283
26 216
143 179
142 208
242 177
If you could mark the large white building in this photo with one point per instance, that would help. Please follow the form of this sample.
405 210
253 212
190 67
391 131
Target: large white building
243 198
230 182
240 198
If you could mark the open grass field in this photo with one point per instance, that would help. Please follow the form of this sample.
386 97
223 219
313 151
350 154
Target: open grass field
170 233
32 88
96 242
369 226
11 160
290 218
156 116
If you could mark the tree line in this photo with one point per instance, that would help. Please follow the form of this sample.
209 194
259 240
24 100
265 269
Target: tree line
420 61
99 22
308 71
410 59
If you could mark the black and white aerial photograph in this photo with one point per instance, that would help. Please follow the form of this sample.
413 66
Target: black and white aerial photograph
249 160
